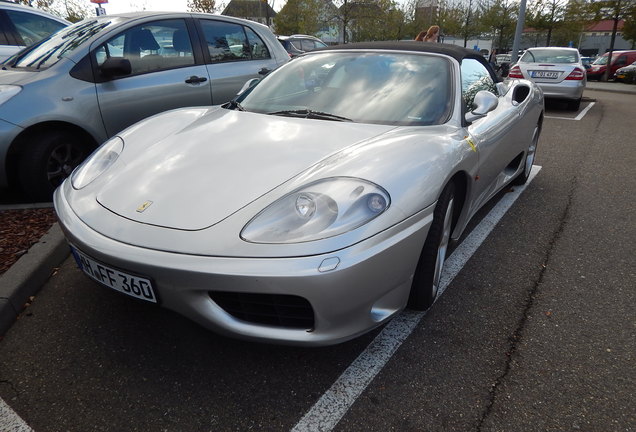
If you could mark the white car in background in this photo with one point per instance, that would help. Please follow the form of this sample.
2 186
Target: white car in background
558 71
21 26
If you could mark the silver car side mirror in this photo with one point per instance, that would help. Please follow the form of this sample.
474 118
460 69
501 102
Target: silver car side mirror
484 102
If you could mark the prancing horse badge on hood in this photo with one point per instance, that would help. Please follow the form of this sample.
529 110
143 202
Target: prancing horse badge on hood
144 206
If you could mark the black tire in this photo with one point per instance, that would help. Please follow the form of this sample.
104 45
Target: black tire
528 161
429 268
47 159
574 105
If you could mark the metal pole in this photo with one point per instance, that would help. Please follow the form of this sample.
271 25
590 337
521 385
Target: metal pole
519 30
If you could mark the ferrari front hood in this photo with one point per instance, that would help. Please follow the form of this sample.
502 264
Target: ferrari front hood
219 163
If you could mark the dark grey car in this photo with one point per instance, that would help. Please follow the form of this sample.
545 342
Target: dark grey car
61 98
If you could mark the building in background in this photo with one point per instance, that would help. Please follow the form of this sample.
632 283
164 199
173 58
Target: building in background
596 39
253 10
425 12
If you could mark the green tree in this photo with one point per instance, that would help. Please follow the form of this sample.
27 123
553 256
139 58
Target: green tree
299 16
40 4
578 16
71 10
207 6
629 28
472 24
499 17
375 20
451 18
545 15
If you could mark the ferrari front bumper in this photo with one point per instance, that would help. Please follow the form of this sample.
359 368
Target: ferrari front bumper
349 291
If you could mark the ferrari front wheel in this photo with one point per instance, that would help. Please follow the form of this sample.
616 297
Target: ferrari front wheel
426 280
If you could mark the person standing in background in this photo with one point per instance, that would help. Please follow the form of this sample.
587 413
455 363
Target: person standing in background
429 36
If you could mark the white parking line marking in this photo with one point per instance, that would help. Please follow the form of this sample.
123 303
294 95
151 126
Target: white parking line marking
334 404
578 117
10 421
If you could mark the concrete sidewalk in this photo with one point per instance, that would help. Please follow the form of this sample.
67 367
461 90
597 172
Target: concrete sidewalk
25 278
611 86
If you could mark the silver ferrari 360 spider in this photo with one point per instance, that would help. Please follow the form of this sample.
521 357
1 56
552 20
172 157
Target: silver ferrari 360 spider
317 204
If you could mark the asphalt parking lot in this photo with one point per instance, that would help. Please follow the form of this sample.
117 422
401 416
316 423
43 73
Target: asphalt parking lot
535 332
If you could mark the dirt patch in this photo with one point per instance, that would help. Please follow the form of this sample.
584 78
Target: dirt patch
21 229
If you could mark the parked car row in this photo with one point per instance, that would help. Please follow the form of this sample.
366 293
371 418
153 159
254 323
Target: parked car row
99 76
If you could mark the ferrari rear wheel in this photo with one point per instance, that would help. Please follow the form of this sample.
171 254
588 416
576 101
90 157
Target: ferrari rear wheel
426 280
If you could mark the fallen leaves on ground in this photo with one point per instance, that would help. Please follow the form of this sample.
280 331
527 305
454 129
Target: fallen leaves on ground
21 229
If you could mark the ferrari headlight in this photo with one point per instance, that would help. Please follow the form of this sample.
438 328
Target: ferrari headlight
8 91
319 210
97 163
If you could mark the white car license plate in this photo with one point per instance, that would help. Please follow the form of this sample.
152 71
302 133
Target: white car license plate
125 283
545 74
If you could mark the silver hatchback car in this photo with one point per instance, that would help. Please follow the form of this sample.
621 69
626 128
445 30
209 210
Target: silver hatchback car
62 97
558 71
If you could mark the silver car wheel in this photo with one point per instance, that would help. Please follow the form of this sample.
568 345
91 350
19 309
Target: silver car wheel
428 273
522 178
443 247
532 151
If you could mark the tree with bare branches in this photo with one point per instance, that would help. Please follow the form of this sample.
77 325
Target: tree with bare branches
208 6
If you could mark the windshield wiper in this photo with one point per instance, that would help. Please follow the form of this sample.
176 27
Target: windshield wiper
234 105
307 113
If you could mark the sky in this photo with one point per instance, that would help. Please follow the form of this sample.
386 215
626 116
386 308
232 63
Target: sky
120 6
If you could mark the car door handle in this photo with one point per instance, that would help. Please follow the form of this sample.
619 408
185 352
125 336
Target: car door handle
264 71
195 80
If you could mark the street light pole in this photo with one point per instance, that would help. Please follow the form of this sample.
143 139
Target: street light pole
519 30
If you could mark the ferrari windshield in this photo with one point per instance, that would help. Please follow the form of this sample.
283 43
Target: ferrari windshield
364 87
51 50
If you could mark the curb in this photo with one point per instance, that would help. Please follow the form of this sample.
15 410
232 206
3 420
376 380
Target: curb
611 87
29 273
608 90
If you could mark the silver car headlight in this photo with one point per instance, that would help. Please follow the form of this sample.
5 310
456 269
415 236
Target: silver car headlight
97 163
322 209
8 91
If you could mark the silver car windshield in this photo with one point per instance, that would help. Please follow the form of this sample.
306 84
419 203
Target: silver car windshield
380 88
550 56
61 44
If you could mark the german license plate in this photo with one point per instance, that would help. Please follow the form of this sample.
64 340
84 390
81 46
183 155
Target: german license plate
545 74
118 280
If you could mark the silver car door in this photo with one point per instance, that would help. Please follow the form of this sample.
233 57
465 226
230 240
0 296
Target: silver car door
164 74
235 54
496 136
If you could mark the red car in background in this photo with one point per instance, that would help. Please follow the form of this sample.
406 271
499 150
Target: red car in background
619 59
